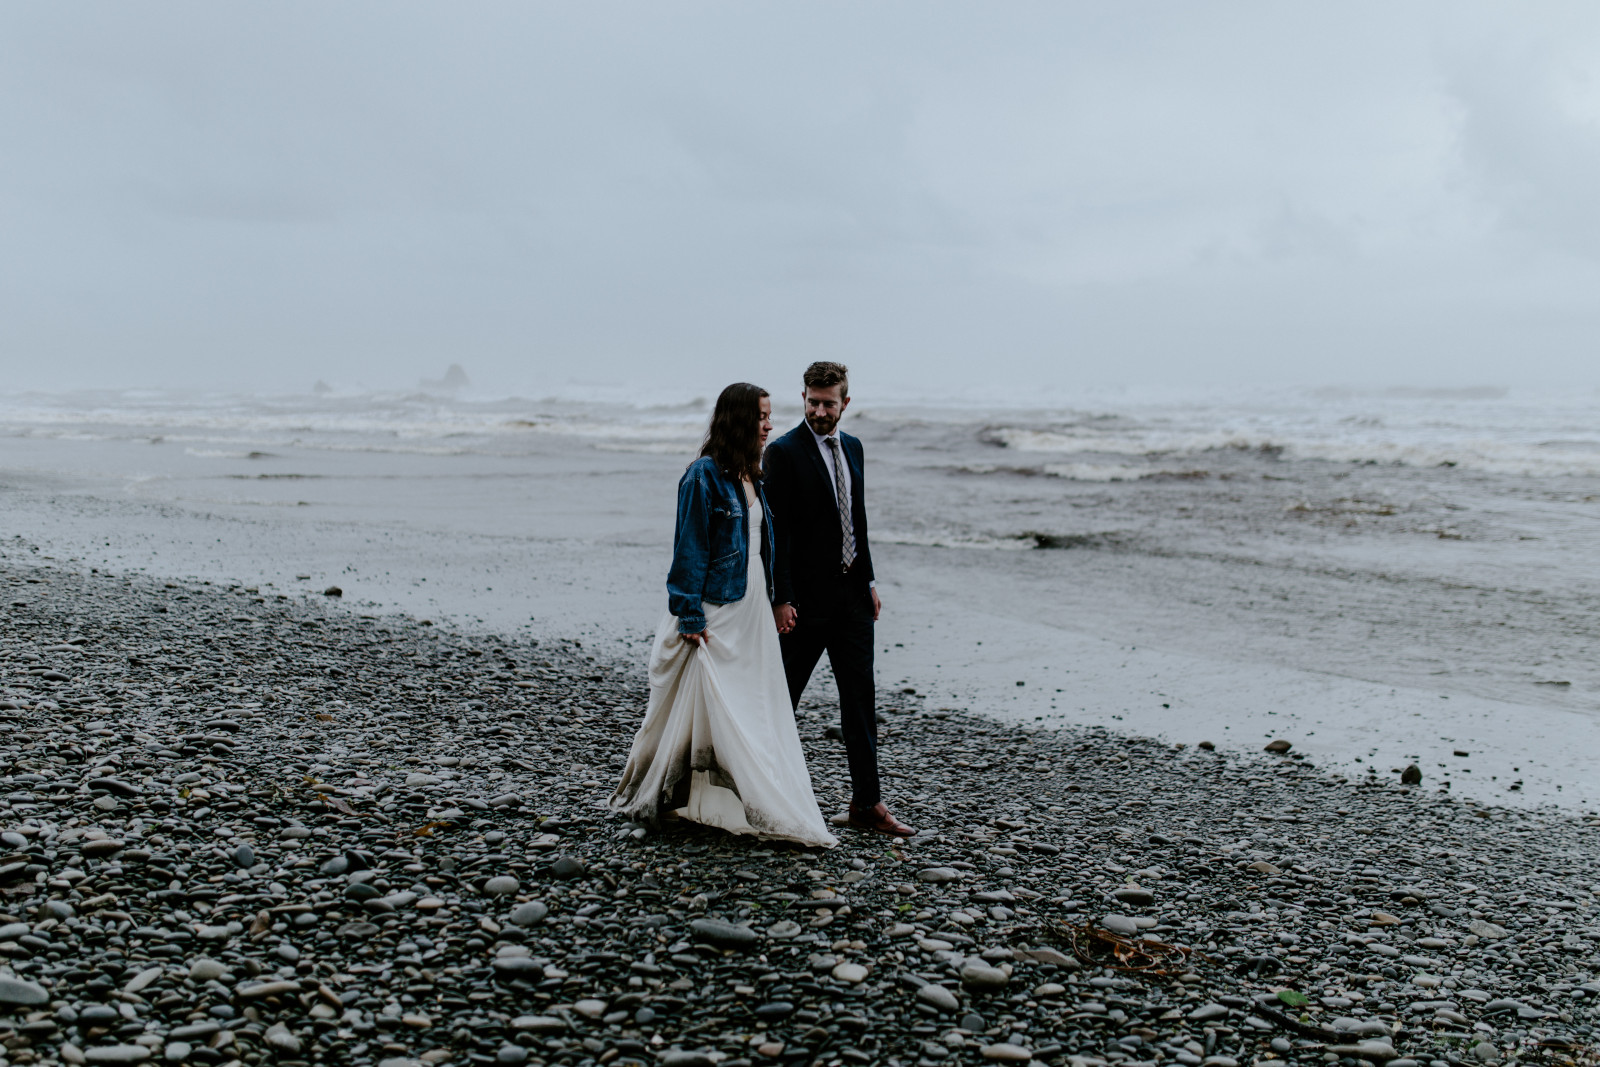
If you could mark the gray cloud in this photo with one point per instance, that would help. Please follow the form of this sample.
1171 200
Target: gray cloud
646 193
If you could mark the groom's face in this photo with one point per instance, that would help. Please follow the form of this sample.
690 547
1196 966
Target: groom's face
824 406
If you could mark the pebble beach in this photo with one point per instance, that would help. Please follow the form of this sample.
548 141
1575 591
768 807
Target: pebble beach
255 828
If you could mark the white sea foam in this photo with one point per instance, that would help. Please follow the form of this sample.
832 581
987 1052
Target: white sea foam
1535 440
1115 472
1513 434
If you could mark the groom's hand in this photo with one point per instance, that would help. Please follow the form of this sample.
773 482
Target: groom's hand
877 605
784 615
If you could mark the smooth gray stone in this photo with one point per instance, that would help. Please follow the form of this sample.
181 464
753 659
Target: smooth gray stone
116 1054
982 976
267 989
244 856
723 934
98 1015
938 996
686 1059
1380 1051
279 1038
17 993
1207 1011
204 970
1133 894
1504 1004
511 1055
530 913
1359 1027
517 966
1120 924
539 1024
938 874
501 885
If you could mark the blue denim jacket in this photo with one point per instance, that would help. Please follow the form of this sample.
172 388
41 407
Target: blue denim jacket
711 548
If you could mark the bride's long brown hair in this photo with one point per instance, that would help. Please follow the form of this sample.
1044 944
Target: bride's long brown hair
733 440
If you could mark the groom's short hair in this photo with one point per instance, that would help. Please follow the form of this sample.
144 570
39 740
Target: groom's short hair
826 375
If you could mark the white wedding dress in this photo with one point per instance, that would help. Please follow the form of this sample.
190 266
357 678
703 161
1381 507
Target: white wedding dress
719 745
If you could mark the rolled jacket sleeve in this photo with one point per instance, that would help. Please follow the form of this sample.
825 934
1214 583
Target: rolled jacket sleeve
691 554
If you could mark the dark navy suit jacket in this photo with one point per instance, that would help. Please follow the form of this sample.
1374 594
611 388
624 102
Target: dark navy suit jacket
810 542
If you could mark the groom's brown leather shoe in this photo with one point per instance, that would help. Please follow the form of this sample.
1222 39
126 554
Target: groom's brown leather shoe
878 818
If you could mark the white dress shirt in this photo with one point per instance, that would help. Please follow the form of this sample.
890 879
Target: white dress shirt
827 461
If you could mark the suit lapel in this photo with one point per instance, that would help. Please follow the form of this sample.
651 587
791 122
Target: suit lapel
807 442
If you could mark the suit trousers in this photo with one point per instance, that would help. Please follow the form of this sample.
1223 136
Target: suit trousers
842 627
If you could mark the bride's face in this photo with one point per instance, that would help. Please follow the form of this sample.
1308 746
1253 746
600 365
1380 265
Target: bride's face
766 419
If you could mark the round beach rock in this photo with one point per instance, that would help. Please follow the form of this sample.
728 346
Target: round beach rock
851 973
501 885
16 993
530 913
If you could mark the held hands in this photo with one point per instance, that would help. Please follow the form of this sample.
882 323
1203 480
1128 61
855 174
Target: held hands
785 616
696 639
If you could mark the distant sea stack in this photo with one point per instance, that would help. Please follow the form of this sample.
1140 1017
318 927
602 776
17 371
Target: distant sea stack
454 378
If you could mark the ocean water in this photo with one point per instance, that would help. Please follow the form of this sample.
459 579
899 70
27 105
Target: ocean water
1105 435
1326 556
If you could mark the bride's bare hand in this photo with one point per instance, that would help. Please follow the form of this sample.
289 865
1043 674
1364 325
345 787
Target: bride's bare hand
696 639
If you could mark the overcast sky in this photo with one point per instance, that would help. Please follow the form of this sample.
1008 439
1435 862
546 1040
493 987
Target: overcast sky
1043 193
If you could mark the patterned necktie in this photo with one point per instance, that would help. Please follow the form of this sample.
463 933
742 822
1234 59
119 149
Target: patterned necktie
841 495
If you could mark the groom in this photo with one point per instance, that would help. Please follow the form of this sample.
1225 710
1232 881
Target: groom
825 598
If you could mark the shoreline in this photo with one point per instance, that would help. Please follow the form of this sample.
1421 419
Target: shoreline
432 877
1143 670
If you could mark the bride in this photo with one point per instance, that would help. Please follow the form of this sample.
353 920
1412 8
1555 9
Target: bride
718 744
